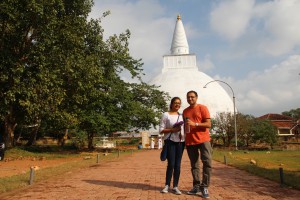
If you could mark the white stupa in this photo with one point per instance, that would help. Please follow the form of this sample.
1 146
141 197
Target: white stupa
180 74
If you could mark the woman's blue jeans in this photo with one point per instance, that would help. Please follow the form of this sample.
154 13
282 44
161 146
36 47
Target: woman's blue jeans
175 151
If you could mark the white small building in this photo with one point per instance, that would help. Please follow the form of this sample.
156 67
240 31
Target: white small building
104 143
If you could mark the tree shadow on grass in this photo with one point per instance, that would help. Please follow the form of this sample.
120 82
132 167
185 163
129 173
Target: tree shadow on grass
119 184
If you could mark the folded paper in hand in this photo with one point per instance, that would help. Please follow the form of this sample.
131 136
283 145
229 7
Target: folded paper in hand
178 124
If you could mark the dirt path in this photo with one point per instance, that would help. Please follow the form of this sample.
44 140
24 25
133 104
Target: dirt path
141 176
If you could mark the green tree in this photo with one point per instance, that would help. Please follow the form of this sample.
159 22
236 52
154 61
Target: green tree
253 130
249 129
294 113
245 128
110 103
57 71
29 86
223 127
264 132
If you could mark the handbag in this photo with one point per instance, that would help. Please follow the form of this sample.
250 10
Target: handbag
164 151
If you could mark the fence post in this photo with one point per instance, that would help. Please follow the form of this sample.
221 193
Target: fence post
98 158
281 176
225 160
118 153
31 175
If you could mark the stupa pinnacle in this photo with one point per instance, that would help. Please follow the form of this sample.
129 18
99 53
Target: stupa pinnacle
179 42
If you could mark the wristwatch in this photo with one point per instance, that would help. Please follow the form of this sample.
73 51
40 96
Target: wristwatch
197 124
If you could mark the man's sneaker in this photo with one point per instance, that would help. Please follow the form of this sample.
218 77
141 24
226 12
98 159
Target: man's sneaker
165 190
195 190
205 194
176 190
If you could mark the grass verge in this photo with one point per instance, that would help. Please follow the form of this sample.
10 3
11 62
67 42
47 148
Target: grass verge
266 164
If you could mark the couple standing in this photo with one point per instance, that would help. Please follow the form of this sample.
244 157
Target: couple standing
196 140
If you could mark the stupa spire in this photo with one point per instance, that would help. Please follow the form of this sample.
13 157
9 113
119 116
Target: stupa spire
179 42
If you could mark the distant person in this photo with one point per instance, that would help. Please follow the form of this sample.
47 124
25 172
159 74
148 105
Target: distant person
2 143
2 150
173 135
140 146
152 143
159 143
197 120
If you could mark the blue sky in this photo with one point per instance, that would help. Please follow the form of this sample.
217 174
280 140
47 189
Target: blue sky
253 45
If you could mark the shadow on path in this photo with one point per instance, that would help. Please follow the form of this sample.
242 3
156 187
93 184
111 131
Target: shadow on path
123 185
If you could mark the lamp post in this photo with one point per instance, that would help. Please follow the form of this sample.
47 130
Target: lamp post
233 98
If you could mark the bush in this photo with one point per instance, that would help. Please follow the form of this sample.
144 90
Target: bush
79 140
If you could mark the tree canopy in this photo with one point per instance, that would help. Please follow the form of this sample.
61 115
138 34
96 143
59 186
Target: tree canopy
249 129
294 113
57 70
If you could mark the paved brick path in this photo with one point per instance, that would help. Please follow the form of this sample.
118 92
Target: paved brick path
141 177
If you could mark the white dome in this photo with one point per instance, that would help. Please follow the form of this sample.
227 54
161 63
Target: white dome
180 74
178 82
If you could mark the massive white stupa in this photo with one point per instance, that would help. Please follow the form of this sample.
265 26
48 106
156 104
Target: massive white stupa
180 74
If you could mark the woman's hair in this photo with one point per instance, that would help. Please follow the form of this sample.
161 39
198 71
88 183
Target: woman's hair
172 101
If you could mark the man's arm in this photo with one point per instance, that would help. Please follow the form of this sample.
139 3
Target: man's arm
206 123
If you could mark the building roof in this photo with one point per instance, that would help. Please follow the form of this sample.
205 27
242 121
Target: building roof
284 124
273 117
280 121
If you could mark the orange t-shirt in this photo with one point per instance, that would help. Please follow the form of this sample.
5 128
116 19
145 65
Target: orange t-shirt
197 114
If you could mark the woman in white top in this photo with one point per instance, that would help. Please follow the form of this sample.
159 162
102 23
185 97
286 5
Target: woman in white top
171 127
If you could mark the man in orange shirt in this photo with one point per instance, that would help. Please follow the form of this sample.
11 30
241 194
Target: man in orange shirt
197 120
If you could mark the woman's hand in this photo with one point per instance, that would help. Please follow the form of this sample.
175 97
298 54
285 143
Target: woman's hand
176 129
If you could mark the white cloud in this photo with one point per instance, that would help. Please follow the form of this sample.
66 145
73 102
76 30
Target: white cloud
268 27
230 18
206 64
280 20
276 89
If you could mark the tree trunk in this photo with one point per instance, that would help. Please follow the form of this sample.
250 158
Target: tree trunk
224 141
90 140
62 139
229 138
9 127
33 134
17 137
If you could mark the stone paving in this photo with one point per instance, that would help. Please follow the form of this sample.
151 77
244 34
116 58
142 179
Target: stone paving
141 177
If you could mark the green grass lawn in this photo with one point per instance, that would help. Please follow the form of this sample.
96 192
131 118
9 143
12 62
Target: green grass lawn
267 164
